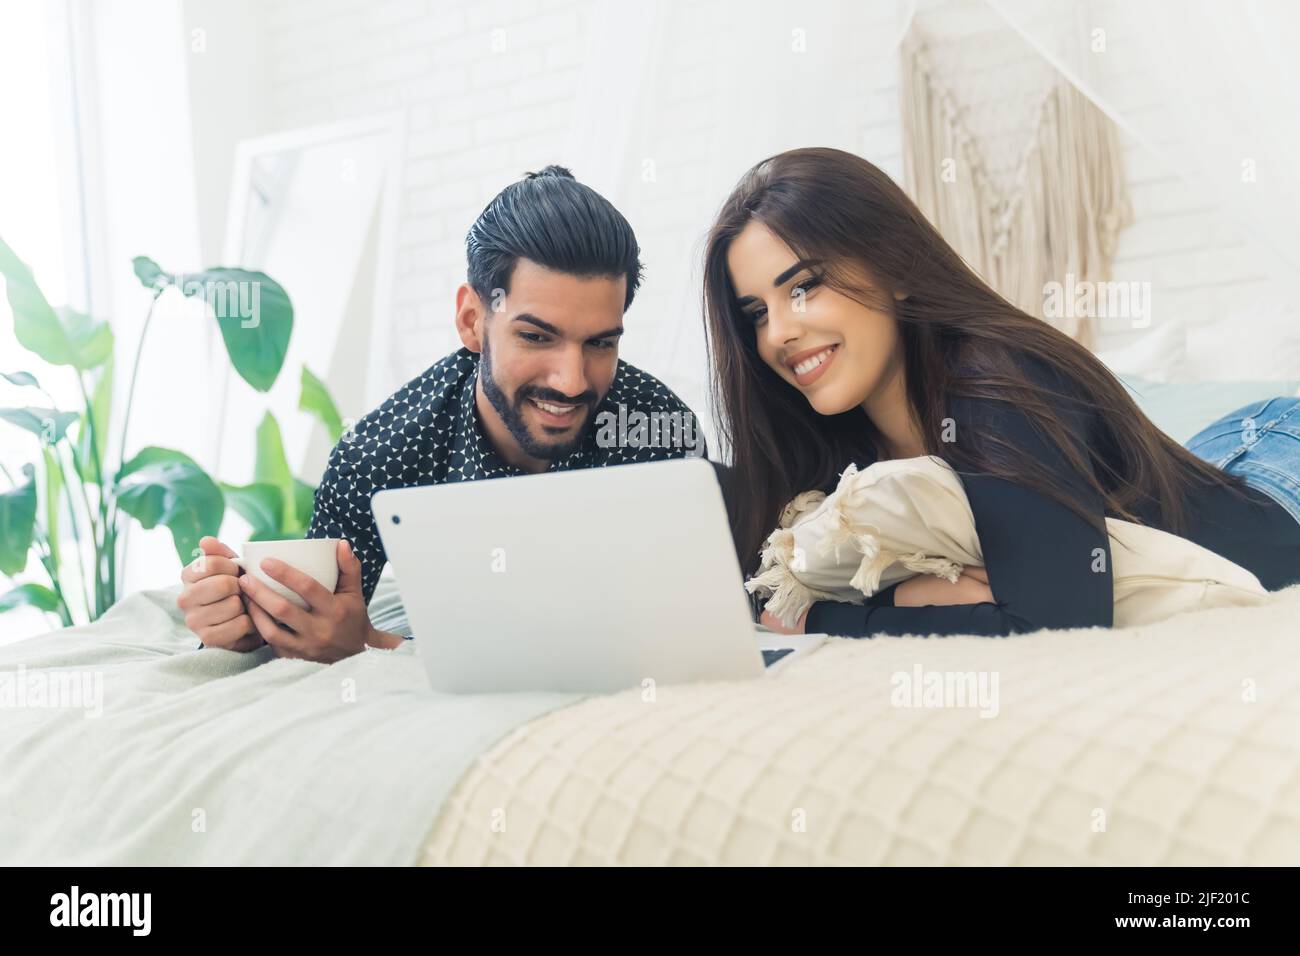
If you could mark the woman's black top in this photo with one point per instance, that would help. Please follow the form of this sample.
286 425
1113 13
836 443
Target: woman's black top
1040 555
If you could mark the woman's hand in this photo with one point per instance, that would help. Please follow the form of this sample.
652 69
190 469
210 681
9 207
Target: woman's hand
972 587
769 621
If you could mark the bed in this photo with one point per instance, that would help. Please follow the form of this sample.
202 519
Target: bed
1176 743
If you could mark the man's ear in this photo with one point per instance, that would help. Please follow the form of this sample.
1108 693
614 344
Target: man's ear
900 295
470 315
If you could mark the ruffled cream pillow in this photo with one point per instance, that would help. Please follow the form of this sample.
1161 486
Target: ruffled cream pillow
910 516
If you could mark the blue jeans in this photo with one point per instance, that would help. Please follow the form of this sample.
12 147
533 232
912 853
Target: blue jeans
1260 442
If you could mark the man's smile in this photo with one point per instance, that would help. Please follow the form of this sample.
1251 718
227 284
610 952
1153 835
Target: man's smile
556 414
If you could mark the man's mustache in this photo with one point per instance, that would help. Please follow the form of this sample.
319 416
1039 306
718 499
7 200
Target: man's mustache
587 398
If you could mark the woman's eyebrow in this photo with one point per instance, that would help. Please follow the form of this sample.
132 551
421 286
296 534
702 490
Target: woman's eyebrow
783 278
788 273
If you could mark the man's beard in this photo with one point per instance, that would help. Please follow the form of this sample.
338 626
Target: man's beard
513 413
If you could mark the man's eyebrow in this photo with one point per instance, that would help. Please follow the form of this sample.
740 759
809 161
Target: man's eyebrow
783 278
547 327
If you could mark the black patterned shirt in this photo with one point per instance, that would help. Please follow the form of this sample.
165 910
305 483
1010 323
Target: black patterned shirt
428 433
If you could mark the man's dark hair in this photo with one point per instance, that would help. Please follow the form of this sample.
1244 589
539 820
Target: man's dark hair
557 222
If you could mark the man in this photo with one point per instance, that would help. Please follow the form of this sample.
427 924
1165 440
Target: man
538 386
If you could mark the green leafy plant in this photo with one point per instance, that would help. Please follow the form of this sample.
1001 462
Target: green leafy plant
276 504
70 480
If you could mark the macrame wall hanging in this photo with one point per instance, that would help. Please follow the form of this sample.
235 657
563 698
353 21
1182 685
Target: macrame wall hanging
1017 169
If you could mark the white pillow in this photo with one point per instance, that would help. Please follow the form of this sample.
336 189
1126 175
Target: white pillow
1158 354
910 516
1258 341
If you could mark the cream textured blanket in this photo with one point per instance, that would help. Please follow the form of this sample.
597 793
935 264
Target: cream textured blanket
1171 743
1175 742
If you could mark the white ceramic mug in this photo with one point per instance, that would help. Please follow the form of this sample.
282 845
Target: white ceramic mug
315 557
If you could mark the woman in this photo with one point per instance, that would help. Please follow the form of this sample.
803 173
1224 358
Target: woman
842 328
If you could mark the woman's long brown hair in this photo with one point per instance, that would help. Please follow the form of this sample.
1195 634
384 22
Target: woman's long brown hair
959 338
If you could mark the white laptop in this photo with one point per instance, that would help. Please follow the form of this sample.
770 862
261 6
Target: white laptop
590 581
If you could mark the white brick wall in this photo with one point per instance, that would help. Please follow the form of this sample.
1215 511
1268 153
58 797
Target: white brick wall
478 114
490 89
1199 266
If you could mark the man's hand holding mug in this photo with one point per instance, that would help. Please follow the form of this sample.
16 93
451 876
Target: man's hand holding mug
303 597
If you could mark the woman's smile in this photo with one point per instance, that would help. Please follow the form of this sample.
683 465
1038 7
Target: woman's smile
811 364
